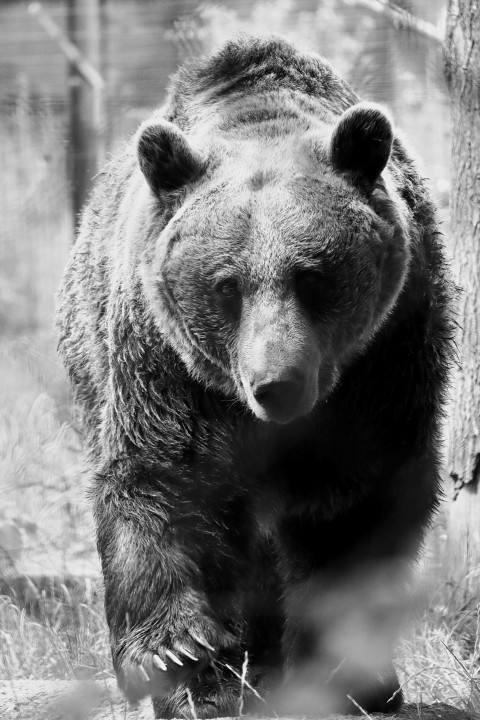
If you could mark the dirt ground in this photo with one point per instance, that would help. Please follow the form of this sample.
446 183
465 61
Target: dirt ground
54 700
57 700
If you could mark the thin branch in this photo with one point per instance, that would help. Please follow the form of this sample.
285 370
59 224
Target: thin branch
71 52
401 18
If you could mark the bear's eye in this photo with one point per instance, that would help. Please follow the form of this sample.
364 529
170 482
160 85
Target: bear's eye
314 290
229 297
228 289
308 282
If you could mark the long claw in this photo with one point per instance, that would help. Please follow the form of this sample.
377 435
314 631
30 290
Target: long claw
144 673
187 654
201 641
173 657
158 662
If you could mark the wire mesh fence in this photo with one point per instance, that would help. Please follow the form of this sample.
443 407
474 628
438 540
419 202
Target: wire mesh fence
140 45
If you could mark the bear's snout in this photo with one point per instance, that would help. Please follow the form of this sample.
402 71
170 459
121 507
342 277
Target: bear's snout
278 396
278 361
282 398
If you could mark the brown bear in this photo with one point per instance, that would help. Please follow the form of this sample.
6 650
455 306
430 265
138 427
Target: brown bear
255 319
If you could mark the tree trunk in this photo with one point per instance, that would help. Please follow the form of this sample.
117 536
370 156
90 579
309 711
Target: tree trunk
462 69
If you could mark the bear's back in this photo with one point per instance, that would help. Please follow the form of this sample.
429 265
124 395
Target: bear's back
251 65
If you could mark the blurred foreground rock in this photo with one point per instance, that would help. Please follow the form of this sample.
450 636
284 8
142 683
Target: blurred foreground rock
56 700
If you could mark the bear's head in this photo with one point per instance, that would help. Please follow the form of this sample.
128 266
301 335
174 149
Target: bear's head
283 255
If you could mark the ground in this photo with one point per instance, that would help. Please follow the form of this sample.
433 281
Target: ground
52 700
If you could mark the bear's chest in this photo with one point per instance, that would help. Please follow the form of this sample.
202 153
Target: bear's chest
321 466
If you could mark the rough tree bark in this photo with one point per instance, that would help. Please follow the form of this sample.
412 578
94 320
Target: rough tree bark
462 69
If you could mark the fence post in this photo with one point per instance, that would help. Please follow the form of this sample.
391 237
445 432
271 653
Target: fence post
86 102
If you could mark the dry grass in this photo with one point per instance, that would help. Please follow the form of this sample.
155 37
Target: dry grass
51 614
51 618
439 658
58 631
61 635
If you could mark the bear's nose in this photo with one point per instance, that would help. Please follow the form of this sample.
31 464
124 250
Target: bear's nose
273 394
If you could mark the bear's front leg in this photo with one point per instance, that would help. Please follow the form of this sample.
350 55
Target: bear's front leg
343 617
339 643
164 632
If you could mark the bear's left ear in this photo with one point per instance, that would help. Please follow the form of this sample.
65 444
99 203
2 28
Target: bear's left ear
361 142
165 156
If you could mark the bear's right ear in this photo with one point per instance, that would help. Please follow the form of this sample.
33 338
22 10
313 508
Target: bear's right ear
165 156
361 142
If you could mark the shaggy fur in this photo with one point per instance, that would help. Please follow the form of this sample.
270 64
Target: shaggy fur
255 320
